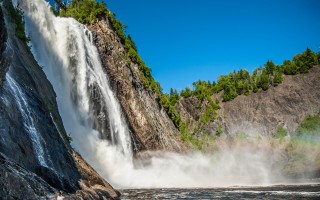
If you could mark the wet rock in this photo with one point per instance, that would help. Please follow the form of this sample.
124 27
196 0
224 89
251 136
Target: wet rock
14 176
36 159
3 38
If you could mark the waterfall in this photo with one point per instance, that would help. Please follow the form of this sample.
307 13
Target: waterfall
28 121
87 105
91 113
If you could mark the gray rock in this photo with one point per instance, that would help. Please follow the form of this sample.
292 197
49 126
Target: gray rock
150 125
35 167
261 113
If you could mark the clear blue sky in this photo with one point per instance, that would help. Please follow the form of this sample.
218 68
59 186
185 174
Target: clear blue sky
187 40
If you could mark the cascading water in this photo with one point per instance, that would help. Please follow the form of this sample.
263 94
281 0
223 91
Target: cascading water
91 113
28 121
71 62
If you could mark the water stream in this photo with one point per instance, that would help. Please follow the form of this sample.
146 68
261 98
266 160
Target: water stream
28 120
91 113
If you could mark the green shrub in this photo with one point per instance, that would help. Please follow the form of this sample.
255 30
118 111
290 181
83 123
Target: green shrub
69 138
280 133
186 137
309 126
85 11
16 15
231 85
219 130
241 82
210 113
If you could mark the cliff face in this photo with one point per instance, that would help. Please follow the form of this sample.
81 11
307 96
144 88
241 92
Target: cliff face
150 125
3 37
35 158
286 105
261 113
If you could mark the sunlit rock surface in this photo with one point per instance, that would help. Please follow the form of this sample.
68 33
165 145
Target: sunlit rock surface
36 160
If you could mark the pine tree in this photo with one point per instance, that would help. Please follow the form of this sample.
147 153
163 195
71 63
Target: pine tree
277 78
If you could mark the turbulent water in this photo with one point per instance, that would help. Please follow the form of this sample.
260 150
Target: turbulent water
92 115
270 193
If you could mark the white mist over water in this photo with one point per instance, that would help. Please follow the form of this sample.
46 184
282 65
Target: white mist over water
71 62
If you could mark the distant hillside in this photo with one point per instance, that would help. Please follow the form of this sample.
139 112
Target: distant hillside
261 113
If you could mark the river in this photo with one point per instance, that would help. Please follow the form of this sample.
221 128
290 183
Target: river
310 191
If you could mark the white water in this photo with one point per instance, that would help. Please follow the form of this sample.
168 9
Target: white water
28 121
71 62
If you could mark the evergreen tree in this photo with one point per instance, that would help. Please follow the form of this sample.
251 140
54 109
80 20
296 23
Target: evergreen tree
229 93
246 88
263 80
186 93
270 67
289 68
277 79
318 57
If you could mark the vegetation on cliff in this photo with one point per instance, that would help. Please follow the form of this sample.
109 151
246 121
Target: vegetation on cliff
89 11
303 147
16 15
310 129
230 86
85 11
242 82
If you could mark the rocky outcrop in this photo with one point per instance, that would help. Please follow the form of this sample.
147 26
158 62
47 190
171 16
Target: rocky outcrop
286 105
3 38
14 176
261 113
149 123
36 159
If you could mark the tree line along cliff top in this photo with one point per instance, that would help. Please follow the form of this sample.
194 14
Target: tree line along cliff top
230 86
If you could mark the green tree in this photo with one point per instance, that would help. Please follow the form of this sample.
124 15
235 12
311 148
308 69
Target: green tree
240 87
131 43
247 88
186 93
263 80
277 79
309 58
229 93
270 67
318 57
85 11
305 61
290 68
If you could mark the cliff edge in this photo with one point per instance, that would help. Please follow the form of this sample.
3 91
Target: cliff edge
36 159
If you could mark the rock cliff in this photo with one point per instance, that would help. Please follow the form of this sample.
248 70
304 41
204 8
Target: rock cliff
36 159
3 36
149 123
261 113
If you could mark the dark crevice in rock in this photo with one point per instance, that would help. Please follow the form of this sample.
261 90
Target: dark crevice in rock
3 39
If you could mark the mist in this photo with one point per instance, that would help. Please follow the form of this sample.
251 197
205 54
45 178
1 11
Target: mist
71 62
246 162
